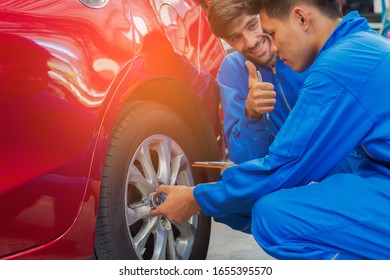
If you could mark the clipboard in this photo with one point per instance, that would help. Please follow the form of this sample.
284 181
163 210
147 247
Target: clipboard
213 164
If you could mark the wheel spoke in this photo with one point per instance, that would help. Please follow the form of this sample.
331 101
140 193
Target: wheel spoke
185 178
139 240
185 241
177 164
181 172
164 150
187 229
147 165
160 244
137 213
171 248
136 179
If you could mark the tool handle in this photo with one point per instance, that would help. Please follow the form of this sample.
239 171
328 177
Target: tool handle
155 199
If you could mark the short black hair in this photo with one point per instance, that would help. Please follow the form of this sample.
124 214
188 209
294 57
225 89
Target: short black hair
282 8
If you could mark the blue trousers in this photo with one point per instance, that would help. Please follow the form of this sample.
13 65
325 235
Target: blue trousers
345 216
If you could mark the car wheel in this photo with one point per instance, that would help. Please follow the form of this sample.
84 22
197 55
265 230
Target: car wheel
150 145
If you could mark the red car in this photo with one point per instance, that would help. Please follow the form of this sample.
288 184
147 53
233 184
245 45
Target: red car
101 101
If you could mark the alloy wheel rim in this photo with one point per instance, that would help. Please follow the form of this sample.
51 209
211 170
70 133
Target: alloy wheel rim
157 160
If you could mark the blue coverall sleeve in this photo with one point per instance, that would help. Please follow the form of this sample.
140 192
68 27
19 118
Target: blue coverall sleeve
310 144
246 138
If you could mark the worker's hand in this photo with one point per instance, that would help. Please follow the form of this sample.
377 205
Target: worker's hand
261 96
179 204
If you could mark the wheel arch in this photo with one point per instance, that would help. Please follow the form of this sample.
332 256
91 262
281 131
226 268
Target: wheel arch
204 122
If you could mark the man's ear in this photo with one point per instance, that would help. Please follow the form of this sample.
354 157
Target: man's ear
300 17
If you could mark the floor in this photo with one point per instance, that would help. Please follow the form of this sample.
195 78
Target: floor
228 244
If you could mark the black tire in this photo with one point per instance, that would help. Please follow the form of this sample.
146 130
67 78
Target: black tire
130 175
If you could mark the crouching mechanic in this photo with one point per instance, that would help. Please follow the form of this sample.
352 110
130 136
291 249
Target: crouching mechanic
298 212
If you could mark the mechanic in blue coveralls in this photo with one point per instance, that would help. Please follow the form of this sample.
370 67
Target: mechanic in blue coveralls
298 212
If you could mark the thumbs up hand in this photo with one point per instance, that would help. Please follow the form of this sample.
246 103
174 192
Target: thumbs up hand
261 96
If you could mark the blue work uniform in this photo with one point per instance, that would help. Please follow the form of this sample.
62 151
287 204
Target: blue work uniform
298 210
248 138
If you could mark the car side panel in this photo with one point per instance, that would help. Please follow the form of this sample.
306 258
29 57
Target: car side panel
56 68
82 68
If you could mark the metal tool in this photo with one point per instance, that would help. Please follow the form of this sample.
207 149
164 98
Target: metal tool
267 116
153 201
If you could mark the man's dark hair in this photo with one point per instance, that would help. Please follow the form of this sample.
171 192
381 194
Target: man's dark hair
282 8
221 13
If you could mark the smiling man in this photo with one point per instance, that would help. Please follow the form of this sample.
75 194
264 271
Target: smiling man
253 113
248 131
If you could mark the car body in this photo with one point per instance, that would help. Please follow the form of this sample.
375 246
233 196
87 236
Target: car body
102 101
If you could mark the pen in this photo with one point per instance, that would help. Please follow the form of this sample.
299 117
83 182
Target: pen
260 79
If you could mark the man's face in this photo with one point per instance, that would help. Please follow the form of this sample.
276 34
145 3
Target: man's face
290 40
245 35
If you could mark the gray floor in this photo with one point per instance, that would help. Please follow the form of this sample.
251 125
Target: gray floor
228 244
